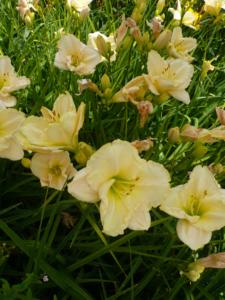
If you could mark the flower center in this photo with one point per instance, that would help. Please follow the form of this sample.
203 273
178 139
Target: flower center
194 205
3 80
123 187
55 171
75 60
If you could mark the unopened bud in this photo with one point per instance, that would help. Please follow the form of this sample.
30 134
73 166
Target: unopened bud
163 39
174 135
83 153
26 162
199 150
160 6
220 115
105 82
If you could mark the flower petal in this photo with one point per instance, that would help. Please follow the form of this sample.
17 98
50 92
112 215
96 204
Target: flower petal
80 189
193 237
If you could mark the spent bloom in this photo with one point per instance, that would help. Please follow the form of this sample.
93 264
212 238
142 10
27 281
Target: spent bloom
9 82
75 56
213 7
105 45
10 122
126 185
53 169
168 77
200 207
56 129
179 46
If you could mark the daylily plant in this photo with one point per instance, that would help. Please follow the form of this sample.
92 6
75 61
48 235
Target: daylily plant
126 186
200 207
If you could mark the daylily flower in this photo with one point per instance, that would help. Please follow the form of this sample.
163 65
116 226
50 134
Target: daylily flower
56 129
75 56
214 261
105 45
179 46
26 8
190 17
168 77
9 82
133 91
213 7
200 206
53 169
126 185
10 122
81 6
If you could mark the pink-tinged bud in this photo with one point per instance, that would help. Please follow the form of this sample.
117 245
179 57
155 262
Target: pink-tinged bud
174 135
85 84
163 39
144 108
189 132
156 26
142 145
121 31
220 115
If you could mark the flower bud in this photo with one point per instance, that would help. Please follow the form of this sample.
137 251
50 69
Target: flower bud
199 150
83 153
26 162
174 135
160 6
105 82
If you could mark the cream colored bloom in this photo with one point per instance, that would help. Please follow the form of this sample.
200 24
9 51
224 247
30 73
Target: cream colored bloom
53 169
213 7
133 91
105 45
10 122
81 6
75 56
9 82
190 17
126 185
169 77
200 206
25 7
179 46
56 129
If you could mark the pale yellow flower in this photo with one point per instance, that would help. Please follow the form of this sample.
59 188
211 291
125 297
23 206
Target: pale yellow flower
133 91
126 185
56 129
75 56
9 82
169 77
10 122
105 45
81 6
213 7
53 169
190 18
200 206
179 46
25 7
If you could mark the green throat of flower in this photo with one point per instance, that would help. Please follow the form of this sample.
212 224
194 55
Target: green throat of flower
123 187
194 206
3 80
